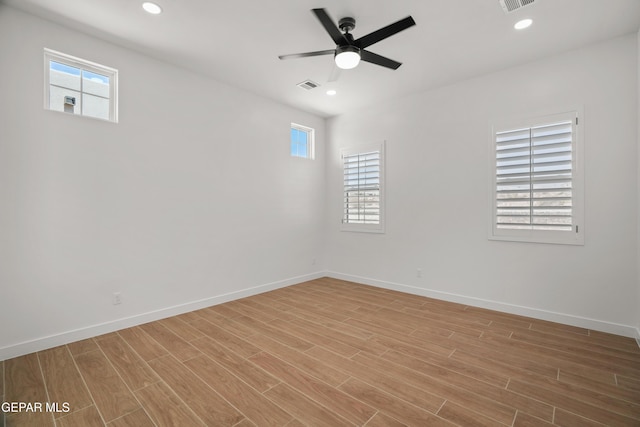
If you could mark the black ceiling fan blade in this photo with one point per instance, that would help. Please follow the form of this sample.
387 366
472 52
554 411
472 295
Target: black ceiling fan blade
384 32
307 54
330 26
374 58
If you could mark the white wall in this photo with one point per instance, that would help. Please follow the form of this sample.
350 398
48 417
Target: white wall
192 196
638 166
437 174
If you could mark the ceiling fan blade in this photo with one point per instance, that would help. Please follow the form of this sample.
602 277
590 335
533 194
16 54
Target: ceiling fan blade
385 32
330 27
335 73
367 56
306 54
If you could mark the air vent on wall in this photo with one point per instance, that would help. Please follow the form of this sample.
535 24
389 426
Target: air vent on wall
511 5
308 85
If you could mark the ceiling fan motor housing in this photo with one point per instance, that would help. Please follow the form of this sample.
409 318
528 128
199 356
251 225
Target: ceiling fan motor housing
348 48
347 24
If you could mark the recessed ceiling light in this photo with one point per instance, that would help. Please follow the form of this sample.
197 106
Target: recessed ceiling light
152 8
525 23
331 92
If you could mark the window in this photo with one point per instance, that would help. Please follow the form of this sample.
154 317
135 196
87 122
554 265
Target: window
301 141
363 171
80 87
537 185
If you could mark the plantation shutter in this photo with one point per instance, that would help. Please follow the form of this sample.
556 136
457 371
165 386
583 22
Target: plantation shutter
534 177
362 177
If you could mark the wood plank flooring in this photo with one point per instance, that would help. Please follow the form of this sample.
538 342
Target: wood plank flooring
332 353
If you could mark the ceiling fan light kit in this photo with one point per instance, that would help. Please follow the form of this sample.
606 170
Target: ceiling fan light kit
349 52
347 57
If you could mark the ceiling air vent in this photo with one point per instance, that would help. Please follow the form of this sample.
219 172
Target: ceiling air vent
510 5
308 85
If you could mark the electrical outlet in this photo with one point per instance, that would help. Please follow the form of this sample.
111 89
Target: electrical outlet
419 272
117 298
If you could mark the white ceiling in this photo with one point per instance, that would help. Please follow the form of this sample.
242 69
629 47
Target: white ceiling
238 41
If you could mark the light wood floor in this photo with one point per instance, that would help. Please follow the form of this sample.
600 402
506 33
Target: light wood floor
333 353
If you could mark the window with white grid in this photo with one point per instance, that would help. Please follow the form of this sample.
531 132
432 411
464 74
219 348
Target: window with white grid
363 189
537 180
77 86
301 142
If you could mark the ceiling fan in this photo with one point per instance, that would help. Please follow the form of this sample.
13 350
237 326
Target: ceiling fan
349 52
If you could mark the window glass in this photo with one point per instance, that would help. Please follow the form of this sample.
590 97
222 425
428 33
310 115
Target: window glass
62 75
66 100
95 84
95 106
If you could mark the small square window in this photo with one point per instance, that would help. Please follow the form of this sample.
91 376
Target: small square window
76 86
301 143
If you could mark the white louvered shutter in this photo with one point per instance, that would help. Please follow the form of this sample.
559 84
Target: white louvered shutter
534 183
362 185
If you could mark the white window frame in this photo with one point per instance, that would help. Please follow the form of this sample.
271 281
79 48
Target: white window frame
310 141
576 235
378 227
72 61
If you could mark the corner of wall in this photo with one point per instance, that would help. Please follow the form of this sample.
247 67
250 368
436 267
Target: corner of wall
638 190
39 344
519 310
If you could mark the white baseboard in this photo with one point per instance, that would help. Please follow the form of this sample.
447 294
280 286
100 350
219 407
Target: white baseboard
66 337
567 319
